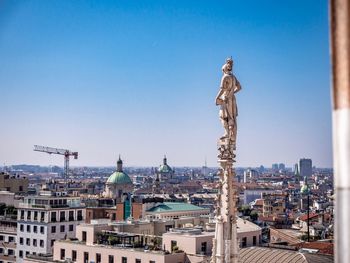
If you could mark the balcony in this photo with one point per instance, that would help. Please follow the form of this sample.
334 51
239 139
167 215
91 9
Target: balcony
59 206
11 245
8 258
8 229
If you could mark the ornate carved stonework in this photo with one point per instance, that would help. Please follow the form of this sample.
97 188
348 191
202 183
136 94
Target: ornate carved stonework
225 243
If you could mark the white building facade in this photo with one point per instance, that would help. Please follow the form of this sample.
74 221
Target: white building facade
45 218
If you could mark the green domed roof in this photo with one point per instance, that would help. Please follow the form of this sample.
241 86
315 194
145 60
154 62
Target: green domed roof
165 168
119 178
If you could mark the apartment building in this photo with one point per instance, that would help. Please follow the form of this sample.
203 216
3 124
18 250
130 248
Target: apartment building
44 219
8 233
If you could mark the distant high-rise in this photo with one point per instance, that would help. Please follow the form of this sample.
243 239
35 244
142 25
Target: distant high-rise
305 167
261 169
281 166
275 166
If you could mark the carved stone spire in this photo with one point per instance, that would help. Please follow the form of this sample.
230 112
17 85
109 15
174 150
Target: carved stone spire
225 243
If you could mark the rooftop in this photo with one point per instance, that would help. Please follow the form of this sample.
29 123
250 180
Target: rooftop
174 207
259 254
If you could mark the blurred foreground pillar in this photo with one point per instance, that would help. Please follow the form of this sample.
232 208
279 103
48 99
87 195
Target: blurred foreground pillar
340 52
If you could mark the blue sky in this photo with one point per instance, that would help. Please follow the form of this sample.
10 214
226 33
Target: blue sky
139 78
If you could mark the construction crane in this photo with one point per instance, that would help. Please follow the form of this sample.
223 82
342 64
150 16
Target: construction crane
64 152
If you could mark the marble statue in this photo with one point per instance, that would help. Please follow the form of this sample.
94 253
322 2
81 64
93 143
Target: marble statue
226 99
225 242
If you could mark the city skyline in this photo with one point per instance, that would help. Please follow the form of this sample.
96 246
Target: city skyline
140 80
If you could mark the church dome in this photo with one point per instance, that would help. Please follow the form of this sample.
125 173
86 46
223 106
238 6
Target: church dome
165 168
119 177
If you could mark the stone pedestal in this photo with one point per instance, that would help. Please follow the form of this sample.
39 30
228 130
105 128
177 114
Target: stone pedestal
225 244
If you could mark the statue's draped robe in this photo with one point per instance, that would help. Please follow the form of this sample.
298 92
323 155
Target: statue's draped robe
229 112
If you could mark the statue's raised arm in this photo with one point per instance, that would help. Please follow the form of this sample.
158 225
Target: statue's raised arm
226 99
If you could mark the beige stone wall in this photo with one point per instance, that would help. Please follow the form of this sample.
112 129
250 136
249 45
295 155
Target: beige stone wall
191 244
91 231
14 185
7 198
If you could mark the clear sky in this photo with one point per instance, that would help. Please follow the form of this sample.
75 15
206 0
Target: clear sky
139 78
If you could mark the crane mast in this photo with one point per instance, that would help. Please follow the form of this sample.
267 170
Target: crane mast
64 152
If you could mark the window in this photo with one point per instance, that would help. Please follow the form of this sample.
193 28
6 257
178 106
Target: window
28 241
80 215
98 258
137 260
1 238
42 216
244 242
74 256
42 230
53 216
173 245
204 247
86 257
11 252
29 215
53 229
254 240
35 229
11 239
21 253
71 215
52 242
21 241
35 242
22 217
62 216
41 243
28 228
35 215
21 227
124 260
84 236
71 227
63 253
152 261
110 259
62 228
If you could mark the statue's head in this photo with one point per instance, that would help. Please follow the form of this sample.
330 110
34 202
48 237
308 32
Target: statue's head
227 67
